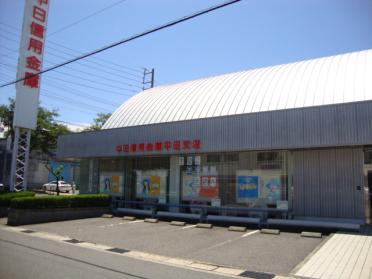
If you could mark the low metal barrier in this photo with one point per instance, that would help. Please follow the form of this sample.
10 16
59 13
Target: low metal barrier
206 212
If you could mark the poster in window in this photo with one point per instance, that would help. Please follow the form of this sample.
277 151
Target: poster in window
272 188
209 187
247 187
190 186
111 182
196 187
151 183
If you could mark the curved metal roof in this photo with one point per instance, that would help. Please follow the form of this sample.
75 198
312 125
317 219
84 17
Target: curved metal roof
329 80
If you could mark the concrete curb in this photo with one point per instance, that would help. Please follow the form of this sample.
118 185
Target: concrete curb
129 218
177 223
151 220
237 229
270 231
204 226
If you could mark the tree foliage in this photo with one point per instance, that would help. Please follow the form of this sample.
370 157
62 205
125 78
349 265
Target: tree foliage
98 121
44 137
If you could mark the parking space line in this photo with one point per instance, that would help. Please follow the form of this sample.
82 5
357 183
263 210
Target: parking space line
250 233
188 227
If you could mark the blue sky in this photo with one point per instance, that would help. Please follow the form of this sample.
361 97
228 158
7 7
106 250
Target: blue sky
247 35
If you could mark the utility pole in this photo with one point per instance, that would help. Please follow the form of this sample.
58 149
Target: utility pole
148 78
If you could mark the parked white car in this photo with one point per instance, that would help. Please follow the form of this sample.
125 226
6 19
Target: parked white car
64 186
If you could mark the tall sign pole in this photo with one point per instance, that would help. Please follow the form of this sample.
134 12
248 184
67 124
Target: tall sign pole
27 91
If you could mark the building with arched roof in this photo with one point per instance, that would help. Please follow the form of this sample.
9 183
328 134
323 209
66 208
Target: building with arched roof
296 136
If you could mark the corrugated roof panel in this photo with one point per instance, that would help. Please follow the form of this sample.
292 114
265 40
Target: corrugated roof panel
329 80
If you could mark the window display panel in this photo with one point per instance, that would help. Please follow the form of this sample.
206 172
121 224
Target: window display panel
247 179
111 182
200 183
111 176
151 184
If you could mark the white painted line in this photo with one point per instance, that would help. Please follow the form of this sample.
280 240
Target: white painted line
188 227
138 221
250 233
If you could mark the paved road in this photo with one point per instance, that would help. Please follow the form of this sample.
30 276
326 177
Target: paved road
24 256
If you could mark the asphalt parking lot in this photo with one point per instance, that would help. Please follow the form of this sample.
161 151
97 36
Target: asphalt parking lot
250 250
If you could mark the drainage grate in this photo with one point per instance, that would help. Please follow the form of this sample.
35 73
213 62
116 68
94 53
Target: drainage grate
28 231
73 241
117 250
257 275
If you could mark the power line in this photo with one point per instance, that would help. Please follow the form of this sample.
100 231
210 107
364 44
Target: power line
78 52
79 63
82 110
47 93
71 123
92 112
167 25
79 84
86 17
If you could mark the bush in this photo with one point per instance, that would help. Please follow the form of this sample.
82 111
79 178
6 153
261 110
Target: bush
7 197
84 200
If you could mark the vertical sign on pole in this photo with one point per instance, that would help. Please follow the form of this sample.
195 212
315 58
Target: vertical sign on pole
27 91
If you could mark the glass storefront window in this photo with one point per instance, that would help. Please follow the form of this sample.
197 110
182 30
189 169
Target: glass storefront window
247 179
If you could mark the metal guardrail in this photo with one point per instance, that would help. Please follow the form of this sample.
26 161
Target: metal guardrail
204 210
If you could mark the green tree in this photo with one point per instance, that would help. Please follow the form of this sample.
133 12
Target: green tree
44 137
98 121
6 117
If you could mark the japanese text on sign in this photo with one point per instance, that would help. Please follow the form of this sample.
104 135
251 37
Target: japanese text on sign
30 62
176 145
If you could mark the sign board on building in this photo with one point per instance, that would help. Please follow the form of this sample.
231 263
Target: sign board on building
175 145
30 62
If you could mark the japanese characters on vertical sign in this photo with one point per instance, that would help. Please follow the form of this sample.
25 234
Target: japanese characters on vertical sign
30 62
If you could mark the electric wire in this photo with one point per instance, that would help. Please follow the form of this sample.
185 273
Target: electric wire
66 89
76 52
82 84
126 40
79 63
86 17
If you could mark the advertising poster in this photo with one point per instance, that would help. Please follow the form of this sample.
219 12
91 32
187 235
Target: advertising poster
196 187
111 182
209 187
190 186
272 188
247 187
151 183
